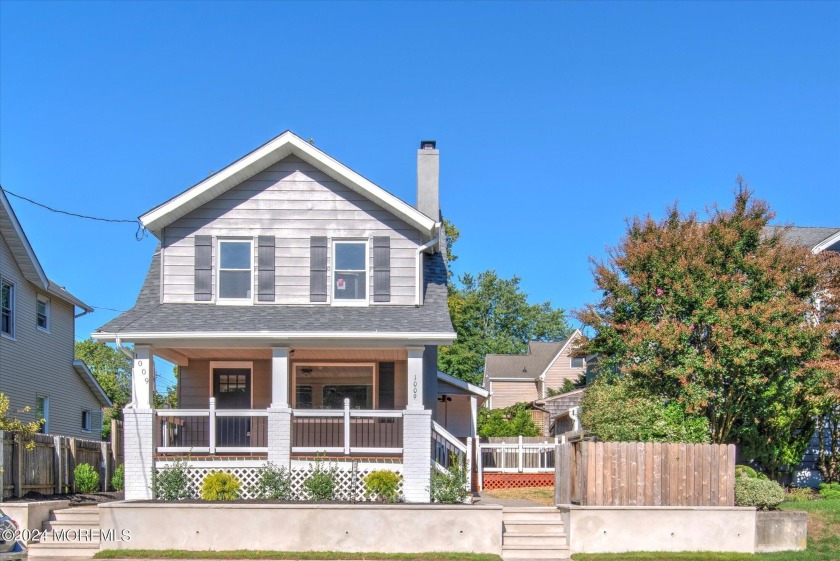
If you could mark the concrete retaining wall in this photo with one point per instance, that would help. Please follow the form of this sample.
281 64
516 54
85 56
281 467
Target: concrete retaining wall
31 516
290 527
631 528
780 531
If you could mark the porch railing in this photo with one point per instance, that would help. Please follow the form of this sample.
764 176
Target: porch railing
211 431
347 431
447 449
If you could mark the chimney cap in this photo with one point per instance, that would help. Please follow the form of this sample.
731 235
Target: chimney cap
428 144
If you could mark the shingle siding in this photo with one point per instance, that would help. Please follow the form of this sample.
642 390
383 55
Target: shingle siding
39 363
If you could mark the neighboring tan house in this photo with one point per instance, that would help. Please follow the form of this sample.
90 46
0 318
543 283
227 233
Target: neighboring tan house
527 377
304 306
37 339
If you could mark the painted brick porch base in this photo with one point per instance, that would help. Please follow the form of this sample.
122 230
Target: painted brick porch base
515 480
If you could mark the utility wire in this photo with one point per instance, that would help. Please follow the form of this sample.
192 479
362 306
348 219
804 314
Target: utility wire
141 230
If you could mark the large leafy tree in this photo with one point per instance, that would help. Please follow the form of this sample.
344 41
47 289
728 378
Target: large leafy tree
718 315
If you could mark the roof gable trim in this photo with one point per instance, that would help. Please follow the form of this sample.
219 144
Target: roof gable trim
19 238
571 338
826 243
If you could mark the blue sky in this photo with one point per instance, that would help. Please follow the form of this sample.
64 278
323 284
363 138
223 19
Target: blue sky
555 121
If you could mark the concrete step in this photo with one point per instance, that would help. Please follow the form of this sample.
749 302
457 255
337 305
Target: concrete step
549 526
77 515
63 549
548 541
517 552
531 513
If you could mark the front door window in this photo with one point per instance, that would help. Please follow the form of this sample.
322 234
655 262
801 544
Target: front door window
232 390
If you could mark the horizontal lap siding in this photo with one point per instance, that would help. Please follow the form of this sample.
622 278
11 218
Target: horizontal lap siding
39 363
561 369
292 201
506 394
194 384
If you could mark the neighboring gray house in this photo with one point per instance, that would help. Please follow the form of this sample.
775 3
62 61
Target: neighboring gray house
304 306
37 338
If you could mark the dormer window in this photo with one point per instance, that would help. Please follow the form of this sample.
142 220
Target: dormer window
236 264
350 272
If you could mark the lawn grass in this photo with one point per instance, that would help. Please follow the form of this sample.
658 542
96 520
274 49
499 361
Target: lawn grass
541 495
823 541
303 555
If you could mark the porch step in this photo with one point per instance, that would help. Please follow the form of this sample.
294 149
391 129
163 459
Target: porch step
54 550
533 533
69 532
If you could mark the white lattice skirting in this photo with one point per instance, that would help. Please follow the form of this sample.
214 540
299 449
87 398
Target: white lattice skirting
350 475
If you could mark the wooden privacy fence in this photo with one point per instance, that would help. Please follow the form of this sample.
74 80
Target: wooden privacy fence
48 467
645 474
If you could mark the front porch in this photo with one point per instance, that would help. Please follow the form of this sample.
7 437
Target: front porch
363 409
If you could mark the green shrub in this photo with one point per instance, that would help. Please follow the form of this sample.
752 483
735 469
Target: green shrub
274 483
322 480
87 478
760 493
747 471
450 486
830 490
796 494
512 421
118 479
173 482
220 486
382 485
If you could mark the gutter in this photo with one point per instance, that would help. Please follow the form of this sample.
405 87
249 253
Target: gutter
418 268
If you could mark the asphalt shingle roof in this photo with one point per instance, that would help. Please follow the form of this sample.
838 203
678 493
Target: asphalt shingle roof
150 316
527 366
807 236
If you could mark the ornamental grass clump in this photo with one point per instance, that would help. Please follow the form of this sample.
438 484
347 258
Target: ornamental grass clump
763 494
382 486
87 478
220 486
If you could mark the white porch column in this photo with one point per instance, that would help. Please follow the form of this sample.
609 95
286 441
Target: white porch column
143 378
414 386
280 413
473 416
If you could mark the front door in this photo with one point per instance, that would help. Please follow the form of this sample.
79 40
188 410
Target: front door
232 390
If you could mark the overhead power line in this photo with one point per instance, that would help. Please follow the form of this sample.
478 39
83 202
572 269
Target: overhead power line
141 230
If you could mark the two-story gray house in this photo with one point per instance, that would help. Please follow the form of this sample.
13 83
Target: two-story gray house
304 306
37 337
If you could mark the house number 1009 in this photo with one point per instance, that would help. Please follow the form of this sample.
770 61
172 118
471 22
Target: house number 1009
414 395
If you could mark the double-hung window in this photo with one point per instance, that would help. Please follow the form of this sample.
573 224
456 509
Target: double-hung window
236 269
42 313
350 272
7 308
87 419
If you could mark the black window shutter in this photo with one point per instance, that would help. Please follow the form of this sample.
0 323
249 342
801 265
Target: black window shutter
381 269
318 269
265 268
203 268
386 385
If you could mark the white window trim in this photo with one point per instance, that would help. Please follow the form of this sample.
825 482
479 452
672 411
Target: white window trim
47 313
332 270
14 309
89 428
572 362
45 428
218 273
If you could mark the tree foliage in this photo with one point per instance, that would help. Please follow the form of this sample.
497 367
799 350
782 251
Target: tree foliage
492 315
110 367
15 425
720 316
617 410
511 421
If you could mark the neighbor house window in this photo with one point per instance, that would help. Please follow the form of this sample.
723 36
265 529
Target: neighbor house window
236 260
42 404
350 269
7 308
87 416
42 313
578 362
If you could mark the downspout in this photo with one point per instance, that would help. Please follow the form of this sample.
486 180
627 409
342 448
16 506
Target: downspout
418 268
573 413
123 350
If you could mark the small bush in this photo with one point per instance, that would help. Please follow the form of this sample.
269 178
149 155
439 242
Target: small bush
747 471
450 486
830 490
87 478
220 486
274 483
796 494
321 483
118 479
383 485
760 493
173 483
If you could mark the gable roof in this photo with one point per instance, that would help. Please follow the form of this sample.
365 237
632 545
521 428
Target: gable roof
87 377
447 379
528 366
149 319
266 155
24 255
815 238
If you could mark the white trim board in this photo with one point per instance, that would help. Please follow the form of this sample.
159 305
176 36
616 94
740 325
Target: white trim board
266 155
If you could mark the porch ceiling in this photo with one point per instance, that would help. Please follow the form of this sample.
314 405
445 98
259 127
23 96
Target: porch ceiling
297 355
